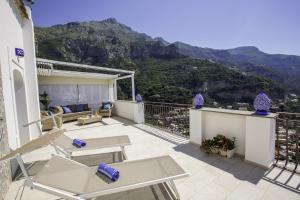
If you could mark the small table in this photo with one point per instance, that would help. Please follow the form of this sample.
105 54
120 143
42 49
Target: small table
89 119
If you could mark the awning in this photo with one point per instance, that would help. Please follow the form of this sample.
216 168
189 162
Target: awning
47 67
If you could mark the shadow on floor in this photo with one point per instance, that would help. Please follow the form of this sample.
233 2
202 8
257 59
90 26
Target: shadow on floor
274 175
239 168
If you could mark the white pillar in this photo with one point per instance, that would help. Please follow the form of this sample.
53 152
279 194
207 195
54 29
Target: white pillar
115 90
196 126
138 113
31 74
260 140
133 87
111 91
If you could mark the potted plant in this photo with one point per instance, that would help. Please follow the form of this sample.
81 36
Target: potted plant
206 144
44 99
214 146
231 148
228 149
218 142
210 146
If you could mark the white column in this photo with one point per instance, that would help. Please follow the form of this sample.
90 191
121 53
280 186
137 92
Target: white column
196 126
111 91
31 74
139 116
260 140
133 87
115 90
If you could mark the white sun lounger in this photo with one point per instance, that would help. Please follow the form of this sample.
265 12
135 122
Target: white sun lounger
64 144
72 180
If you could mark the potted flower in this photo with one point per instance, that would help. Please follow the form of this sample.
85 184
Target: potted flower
44 99
218 141
206 144
228 149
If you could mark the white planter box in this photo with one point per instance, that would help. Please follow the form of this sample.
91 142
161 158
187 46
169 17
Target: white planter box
223 152
230 153
214 150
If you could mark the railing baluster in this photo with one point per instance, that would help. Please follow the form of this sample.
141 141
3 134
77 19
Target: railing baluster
286 141
173 118
287 128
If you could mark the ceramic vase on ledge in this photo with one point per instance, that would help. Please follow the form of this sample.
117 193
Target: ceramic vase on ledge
262 104
198 101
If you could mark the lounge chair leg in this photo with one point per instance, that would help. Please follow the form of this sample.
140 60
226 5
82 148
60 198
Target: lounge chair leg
24 171
123 153
175 189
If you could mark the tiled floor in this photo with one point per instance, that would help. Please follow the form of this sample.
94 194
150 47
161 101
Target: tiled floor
211 177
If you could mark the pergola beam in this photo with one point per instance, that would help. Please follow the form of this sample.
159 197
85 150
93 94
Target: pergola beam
84 66
123 77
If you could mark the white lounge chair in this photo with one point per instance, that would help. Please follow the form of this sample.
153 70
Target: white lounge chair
72 180
64 144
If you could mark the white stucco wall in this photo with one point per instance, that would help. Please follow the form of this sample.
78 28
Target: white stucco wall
16 33
31 74
130 110
255 135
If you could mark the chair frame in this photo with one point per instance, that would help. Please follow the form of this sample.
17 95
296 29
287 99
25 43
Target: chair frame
169 182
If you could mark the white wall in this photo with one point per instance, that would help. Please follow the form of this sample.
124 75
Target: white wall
31 74
12 35
230 125
129 110
255 135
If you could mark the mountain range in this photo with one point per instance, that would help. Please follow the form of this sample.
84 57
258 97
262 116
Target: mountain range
171 72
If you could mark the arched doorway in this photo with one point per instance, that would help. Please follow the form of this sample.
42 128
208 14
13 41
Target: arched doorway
21 107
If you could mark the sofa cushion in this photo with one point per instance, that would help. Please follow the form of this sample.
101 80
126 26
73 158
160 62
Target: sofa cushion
106 105
86 107
80 108
73 107
76 114
66 109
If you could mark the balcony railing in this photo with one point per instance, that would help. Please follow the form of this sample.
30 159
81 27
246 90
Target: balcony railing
170 117
288 139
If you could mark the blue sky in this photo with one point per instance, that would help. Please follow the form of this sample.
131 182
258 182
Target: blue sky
271 25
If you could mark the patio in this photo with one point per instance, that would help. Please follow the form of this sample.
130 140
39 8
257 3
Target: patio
211 176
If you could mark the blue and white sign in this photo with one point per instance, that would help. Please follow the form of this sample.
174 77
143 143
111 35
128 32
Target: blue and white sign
19 52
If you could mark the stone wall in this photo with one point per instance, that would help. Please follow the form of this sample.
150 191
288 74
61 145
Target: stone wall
5 177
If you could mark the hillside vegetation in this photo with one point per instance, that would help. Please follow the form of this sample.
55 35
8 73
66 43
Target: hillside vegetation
164 72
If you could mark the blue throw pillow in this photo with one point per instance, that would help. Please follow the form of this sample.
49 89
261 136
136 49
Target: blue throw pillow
66 109
106 105
80 107
50 113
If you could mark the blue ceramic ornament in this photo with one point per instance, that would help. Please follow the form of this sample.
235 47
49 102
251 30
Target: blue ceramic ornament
262 104
198 101
138 98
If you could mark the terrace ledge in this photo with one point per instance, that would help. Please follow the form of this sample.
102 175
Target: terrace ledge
236 112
